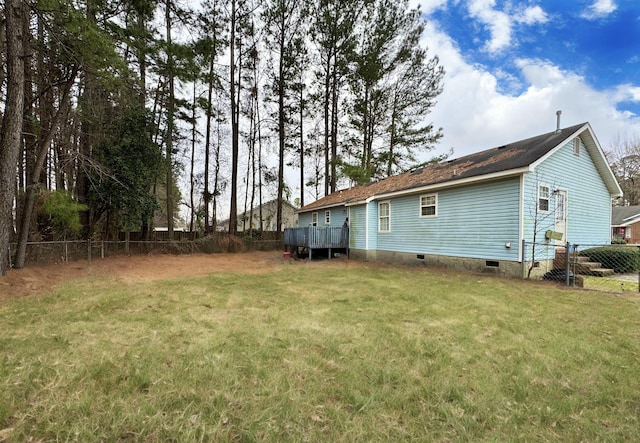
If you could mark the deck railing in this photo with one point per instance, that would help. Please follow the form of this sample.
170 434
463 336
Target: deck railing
316 237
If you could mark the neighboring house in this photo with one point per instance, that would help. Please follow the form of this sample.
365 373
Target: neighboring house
475 211
624 224
251 219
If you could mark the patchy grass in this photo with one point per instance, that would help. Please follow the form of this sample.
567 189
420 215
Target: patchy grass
608 284
320 352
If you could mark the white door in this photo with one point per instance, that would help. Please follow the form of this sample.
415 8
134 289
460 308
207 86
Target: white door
561 215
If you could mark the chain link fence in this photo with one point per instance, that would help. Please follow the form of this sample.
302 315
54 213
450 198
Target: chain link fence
50 252
611 268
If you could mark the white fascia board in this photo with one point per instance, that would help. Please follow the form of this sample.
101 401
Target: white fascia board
631 218
597 156
452 184
542 159
625 224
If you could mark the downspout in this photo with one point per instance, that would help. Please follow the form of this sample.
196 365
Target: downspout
521 220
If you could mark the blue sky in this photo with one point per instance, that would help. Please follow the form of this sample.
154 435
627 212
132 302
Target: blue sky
510 65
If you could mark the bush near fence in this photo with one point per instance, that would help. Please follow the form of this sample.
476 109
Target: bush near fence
611 268
622 259
65 251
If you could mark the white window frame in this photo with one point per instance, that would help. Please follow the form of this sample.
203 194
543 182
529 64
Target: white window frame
577 143
541 197
314 219
387 217
327 217
433 205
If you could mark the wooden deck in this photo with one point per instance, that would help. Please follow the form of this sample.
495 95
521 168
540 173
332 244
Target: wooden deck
316 237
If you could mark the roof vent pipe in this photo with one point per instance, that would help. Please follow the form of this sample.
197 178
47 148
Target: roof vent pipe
558 113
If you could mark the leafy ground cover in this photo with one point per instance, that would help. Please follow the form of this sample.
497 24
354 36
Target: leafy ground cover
321 351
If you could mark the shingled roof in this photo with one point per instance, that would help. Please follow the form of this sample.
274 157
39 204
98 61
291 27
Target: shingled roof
500 161
625 215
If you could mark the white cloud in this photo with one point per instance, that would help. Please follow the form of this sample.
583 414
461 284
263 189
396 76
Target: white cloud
427 6
476 114
627 93
532 15
599 9
498 22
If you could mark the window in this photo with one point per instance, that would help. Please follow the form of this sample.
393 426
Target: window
314 219
561 204
327 217
384 216
429 205
543 198
576 146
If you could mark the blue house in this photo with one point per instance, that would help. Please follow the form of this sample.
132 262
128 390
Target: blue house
474 212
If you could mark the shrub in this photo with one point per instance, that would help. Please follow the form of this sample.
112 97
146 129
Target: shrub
63 212
622 259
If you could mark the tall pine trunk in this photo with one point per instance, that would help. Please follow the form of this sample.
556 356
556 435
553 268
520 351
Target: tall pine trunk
235 107
281 133
170 121
10 133
44 143
207 145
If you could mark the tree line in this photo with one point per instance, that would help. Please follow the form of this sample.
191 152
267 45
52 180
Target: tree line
108 104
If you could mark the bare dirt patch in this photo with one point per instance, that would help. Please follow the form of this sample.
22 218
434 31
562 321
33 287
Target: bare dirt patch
40 279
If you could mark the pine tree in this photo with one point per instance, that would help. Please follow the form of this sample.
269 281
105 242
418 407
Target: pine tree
333 33
11 130
284 25
393 86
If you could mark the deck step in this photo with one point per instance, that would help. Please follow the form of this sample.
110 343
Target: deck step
583 266
598 272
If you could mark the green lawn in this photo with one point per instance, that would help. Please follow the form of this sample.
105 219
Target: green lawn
321 352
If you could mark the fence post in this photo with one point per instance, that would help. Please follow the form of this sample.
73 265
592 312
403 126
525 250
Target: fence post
638 273
575 262
524 254
566 265
66 252
89 250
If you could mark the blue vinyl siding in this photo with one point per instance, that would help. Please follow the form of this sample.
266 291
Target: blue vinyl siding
473 221
588 200
337 217
357 226
304 219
